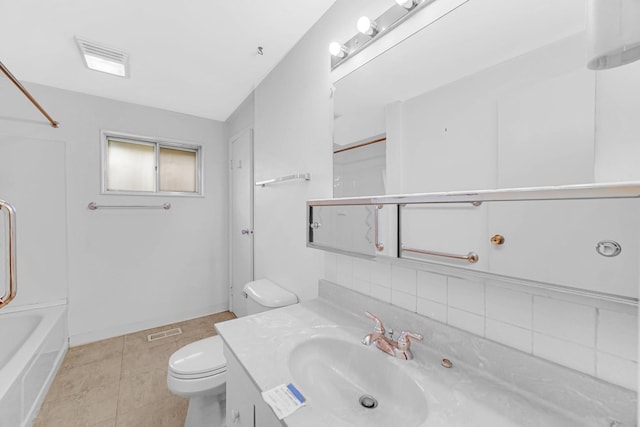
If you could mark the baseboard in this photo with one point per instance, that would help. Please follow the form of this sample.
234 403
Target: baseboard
93 336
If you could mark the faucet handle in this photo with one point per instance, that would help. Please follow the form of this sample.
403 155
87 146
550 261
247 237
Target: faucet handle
379 327
404 342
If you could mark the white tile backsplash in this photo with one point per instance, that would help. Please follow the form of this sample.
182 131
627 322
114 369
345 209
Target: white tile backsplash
382 293
432 309
566 353
381 274
616 370
344 271
362 286
362 269
464 320
331 267
403 280
566 320
510 335
509 306
432 286
406 301
598 341
466 295
617 334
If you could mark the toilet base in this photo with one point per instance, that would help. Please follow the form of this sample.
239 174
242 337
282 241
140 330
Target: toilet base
206 411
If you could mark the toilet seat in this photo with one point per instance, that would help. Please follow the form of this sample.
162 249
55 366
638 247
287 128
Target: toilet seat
199 359
198 368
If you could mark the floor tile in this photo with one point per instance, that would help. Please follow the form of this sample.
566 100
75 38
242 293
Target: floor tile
143 388
147 359
84 378
169 412
83 409
122 381
94 352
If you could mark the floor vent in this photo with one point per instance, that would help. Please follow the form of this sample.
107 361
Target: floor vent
164 334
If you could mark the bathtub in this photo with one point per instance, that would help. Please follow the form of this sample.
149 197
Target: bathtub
33 343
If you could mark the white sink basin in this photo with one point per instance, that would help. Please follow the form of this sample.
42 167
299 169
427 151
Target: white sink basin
333 374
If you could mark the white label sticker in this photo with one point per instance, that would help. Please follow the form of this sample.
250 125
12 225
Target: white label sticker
284 399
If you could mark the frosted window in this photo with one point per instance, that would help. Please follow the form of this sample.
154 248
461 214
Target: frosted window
144 165
178 170
131 167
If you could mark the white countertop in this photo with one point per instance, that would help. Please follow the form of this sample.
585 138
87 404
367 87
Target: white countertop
489 385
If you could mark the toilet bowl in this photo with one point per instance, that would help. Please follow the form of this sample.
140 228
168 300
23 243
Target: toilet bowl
198 370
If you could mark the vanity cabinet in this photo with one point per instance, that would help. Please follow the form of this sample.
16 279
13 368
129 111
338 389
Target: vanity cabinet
366 230
582 239
245 407
569 242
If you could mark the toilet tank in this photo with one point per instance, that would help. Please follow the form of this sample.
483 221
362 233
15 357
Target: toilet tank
263 295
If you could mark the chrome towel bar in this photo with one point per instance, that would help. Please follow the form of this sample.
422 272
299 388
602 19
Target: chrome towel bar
93 206
471 257
305 176
13 280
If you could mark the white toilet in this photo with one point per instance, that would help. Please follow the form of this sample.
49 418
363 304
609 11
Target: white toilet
199 370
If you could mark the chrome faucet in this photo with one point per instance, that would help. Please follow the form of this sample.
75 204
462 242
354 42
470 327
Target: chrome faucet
399 349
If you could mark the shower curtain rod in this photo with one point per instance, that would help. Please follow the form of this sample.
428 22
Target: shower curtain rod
26 93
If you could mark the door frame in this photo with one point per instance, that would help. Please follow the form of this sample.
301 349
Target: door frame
234 138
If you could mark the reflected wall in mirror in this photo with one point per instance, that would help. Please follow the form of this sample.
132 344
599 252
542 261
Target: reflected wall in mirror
359 169
508 102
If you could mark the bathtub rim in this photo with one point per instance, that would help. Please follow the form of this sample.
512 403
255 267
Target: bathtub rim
23 358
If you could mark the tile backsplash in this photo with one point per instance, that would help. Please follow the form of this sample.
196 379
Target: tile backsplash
596 337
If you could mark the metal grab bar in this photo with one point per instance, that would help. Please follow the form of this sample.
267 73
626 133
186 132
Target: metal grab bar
93 206
13 279
305 176
471 257
379 245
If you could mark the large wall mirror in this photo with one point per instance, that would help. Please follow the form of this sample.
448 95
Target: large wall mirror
496 94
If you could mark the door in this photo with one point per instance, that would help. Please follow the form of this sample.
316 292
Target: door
241 219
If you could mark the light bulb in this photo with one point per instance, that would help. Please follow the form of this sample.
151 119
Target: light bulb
336 49
407 4
367 26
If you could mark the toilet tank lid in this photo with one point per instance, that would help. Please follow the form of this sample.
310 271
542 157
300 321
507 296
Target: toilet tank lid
268 294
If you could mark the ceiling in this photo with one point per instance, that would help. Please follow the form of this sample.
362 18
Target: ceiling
197 57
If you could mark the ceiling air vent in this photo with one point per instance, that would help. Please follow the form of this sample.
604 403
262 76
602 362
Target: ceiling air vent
102 58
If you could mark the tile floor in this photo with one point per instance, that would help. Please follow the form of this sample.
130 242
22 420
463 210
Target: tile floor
121 382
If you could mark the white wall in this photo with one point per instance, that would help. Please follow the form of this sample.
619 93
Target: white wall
293 122
131 269
33 180
243 117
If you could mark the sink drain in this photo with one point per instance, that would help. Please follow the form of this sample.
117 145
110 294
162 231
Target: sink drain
368 402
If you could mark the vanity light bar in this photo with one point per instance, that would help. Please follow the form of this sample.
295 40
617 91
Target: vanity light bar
394 16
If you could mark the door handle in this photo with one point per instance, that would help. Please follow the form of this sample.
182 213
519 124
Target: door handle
246 231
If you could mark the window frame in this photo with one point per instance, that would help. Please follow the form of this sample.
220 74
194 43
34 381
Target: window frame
157 143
